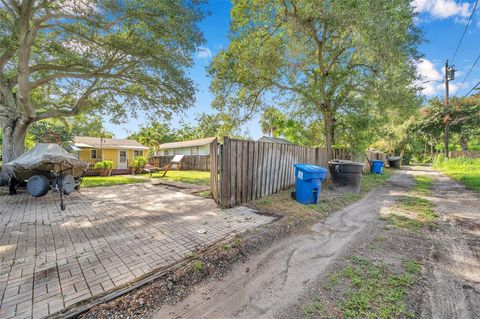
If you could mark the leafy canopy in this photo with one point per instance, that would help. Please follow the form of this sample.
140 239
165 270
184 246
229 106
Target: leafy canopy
329 58
62 58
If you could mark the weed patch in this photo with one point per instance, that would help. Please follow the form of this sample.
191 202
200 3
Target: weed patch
413 213
423 185
370 290
198 266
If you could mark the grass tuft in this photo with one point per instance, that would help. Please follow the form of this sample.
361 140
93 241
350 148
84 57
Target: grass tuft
423 185
198 266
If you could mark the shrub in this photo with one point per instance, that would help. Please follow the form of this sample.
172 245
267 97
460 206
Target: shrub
139 162
104 165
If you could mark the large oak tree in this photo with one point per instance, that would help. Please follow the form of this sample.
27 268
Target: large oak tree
62 58
326 57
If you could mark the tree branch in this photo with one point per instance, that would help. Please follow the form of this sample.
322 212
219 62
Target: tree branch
75 110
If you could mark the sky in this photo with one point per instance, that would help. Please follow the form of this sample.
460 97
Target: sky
441 21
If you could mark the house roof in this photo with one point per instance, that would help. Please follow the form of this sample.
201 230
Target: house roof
97 142
278 140
191 143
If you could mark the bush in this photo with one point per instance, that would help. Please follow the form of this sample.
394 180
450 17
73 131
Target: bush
104 165
139 162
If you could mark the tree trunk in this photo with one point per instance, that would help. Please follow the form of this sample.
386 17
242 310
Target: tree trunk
13 145
463 143
329 122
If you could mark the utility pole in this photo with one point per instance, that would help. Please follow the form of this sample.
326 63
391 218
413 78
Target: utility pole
449 76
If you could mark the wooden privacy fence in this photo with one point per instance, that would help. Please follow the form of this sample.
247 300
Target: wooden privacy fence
190 162
251 170
468 154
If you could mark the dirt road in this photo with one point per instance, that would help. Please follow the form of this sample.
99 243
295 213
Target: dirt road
274 282
454 259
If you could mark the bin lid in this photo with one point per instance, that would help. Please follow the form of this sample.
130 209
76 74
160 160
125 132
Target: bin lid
377 161
393 158
345 162
310 168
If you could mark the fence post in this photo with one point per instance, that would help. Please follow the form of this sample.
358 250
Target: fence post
213 169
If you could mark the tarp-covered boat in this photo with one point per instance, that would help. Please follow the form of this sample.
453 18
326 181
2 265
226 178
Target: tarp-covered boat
46 167
42 160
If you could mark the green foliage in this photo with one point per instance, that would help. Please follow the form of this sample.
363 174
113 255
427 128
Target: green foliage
116 58
464 170
322 57
206 125
272 120
153 135
63 130
463 116
106 164
50 131
138 162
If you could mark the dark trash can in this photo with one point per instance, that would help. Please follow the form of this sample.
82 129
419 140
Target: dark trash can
308 183
394 161
376 166
346 175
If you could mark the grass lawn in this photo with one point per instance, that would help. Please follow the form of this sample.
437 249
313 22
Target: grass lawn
464 170
190 177
95 181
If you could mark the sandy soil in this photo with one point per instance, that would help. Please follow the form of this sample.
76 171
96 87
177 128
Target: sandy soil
279 280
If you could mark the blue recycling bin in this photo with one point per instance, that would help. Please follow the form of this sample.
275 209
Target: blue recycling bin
308 183
376 166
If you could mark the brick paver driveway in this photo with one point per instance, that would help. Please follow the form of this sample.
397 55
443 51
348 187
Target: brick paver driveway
107 237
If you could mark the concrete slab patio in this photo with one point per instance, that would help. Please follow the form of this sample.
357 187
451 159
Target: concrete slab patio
107 238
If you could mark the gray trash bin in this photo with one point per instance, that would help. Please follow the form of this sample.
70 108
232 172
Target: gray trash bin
346 175
394 161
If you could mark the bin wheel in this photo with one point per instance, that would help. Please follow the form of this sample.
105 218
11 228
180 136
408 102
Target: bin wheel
293 195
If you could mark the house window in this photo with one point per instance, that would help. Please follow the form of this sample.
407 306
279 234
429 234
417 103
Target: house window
194 150
93 154
137 153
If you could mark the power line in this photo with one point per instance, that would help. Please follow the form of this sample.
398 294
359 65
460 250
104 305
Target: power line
464 31
469 71
476 85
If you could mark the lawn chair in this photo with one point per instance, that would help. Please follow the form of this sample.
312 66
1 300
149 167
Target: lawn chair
175 162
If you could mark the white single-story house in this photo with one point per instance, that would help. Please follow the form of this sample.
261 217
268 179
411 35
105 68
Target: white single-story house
192 147
277 140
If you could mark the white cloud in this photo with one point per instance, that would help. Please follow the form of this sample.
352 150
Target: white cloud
430 77
442 9
204 53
